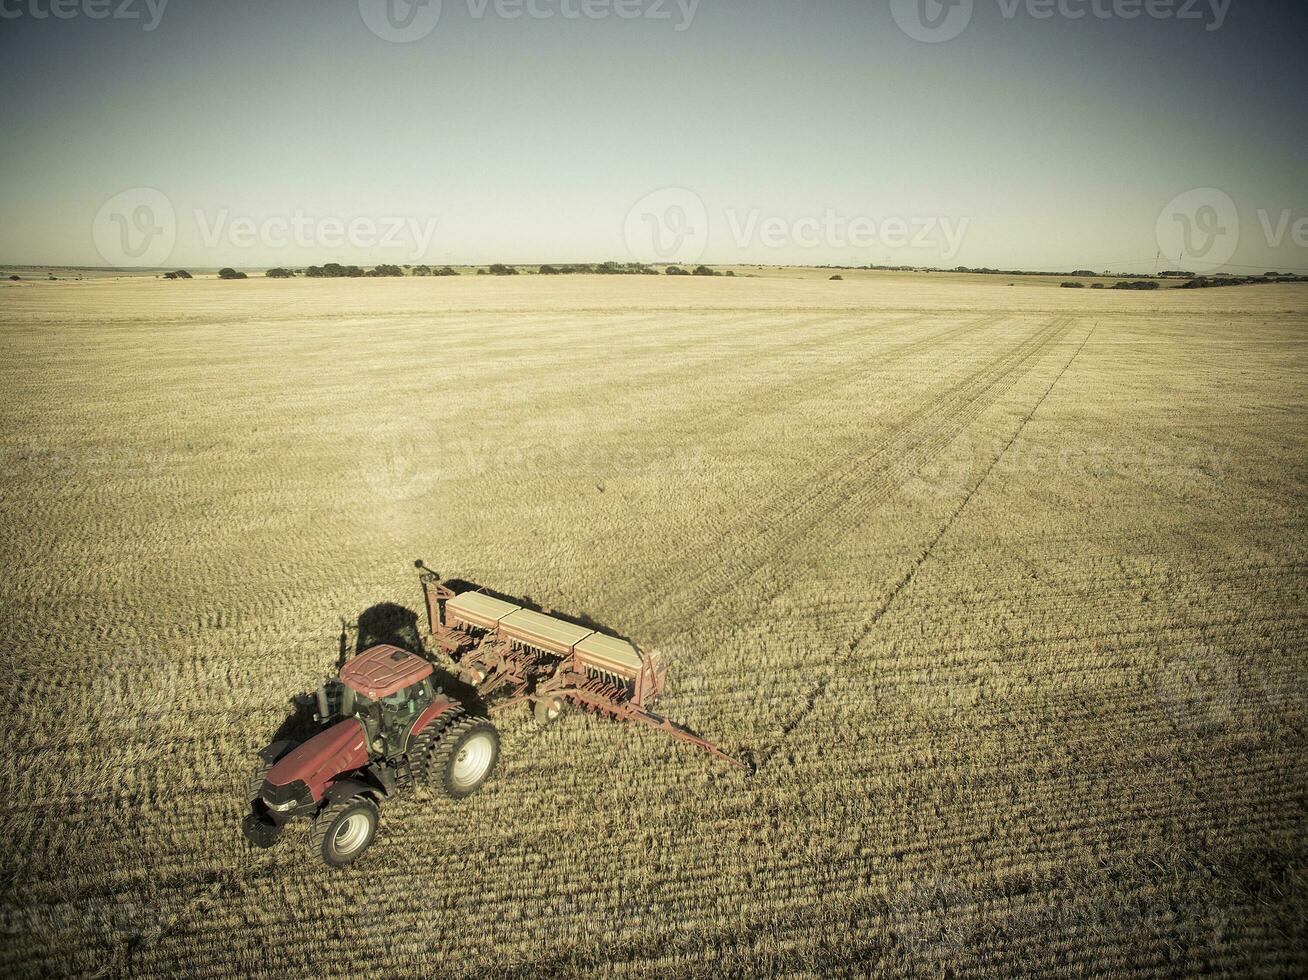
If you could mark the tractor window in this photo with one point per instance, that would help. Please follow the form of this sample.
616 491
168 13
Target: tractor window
402 701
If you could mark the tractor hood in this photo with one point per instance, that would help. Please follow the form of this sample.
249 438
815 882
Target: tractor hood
314 765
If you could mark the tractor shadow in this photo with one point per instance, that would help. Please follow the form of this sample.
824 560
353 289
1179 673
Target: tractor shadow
396 625
299 725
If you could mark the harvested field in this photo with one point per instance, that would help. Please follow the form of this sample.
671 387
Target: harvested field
1002 587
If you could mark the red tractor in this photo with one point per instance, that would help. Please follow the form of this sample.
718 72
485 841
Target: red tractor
388 727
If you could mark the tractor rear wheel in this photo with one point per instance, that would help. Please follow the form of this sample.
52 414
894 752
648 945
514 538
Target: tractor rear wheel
343 831
464 757
547 709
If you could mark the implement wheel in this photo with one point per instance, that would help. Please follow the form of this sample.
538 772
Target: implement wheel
464 757
546 710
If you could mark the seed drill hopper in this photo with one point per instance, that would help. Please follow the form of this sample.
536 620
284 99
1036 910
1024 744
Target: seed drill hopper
514 656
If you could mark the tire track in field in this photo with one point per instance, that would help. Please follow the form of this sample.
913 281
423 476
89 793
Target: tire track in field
782 526
851 460
780 395
693 360
818 690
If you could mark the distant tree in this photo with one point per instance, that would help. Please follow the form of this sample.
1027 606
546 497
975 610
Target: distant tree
548 270
422 270
444 270
676 270
13 278
837 278
703 270
1072 285
279 273
386 270
231 274
499 269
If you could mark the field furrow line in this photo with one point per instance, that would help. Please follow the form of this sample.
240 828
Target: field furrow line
816 692
778 528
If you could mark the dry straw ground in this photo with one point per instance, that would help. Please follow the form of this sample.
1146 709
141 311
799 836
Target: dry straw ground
1004 586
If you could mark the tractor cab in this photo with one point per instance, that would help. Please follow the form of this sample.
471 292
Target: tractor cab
387 688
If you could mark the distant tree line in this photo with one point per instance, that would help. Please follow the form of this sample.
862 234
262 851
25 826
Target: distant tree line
335 270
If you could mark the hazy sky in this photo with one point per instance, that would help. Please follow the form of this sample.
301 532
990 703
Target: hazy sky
286 132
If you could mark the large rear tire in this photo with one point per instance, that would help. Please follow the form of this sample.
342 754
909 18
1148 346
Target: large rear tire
343 831
464 758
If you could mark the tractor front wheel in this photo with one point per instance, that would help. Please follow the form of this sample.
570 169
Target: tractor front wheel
343 831
464 757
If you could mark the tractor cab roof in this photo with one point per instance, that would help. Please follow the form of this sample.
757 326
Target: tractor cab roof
383 670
